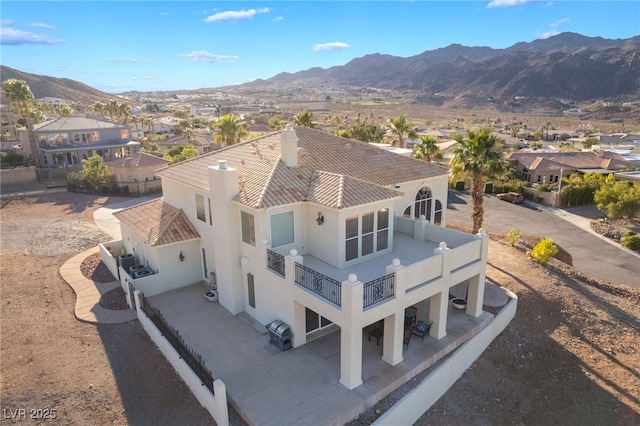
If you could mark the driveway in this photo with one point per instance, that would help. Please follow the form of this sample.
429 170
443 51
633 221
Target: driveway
592 254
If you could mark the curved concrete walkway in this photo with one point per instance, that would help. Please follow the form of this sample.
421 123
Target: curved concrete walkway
88 293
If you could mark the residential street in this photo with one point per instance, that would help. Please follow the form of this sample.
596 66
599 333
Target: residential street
592 254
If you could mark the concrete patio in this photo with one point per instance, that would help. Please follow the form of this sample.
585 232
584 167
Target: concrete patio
300 386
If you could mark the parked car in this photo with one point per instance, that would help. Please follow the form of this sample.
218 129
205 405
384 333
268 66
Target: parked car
512 197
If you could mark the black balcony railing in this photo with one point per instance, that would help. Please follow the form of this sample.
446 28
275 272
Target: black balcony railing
191 357
378 290
275 262
323 286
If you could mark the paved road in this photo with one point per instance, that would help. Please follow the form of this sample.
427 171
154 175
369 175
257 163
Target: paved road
592 254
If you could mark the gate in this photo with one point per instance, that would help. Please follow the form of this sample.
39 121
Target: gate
132 290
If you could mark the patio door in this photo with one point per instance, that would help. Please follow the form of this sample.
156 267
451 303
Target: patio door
315 321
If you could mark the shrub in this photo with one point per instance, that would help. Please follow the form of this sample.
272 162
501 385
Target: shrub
544 250
632 242
513 236
543 187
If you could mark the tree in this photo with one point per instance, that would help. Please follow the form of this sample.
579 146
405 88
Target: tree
478 157
619 199
98 108
124 112
112 109
428 149
399 126
95 172
304 118
230 130
181 153
65 110
23 103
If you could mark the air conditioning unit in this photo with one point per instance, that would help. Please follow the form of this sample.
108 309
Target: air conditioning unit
141 273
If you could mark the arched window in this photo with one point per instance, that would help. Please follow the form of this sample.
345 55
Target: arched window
426 205
421 206
437 216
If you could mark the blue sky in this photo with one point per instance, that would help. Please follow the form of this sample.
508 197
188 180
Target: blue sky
117 46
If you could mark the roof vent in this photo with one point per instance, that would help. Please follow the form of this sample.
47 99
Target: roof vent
222 164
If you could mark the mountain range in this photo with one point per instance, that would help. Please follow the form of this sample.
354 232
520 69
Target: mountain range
566 66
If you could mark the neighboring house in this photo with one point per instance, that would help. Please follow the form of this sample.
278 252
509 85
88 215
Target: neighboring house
165 124
548 167
137 173
312 229
202 143
8 124
65 142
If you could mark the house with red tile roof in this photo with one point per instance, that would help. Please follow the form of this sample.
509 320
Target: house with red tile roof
549 167
314 230
137 172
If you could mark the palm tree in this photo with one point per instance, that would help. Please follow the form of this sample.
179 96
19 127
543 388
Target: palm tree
23 103
65 110
428 149
399 126
230 130
479 156
112 108
124 111
304 118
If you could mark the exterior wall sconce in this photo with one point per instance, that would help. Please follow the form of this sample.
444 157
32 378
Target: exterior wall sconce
320 219
181 257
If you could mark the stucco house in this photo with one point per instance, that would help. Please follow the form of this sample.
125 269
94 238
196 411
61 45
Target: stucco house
548 167
65 142
137 172
311 229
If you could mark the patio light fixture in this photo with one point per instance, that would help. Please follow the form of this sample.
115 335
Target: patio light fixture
181 257
320 219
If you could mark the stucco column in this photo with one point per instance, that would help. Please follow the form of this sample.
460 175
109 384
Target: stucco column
439 302
392 341
394 324
351 333
475 292
298 328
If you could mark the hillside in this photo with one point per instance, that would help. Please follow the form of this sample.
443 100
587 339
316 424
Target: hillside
44 86
568 66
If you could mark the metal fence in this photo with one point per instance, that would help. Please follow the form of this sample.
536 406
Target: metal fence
275 262
192 358
379 289
320 284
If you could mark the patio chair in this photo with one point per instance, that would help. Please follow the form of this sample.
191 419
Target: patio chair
421 329
410 316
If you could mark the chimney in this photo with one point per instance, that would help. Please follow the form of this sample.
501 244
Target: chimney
289 147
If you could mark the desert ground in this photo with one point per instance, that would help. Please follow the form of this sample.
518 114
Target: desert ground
570 356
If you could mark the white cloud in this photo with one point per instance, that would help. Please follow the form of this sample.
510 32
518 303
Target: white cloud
278 19
41 25
204 56
561 21
234 15
149 77
508 3
164 13
335 45
548 4
546 34
13 37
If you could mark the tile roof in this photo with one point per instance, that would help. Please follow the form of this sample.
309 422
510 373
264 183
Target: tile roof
75 123
139 159
158 223
331 171
577 160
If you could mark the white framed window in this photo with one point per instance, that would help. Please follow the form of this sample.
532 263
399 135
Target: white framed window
200 208
366 234
248 228
282 229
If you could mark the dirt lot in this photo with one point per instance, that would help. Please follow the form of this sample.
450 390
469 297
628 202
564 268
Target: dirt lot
570 356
